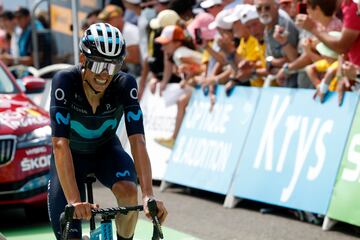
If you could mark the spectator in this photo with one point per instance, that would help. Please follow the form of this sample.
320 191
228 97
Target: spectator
328 65
113 15
216 58
160 5
289 6
281 38
144 13
200 24
212 6
23 20
324 12
349 41
155 56
91 18
223 28
43 17
183 8
8 23
250 51
188 64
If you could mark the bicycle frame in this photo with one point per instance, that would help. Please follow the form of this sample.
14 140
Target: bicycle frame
104 231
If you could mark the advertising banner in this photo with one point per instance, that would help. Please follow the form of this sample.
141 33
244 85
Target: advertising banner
159 121
294 148
345 202
209 144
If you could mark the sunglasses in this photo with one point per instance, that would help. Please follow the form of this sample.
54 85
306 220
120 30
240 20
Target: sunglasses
265 7
99 67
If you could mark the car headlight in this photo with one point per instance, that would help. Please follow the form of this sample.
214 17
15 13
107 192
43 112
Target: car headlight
38 137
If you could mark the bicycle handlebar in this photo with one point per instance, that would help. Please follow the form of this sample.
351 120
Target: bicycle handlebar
157 231
109 213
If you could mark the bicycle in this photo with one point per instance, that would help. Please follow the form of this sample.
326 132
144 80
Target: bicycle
104 231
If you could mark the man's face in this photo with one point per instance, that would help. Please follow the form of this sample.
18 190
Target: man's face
256 29
289 7
7 24
22 21
98 81
267 10
224 32
214 10
239 29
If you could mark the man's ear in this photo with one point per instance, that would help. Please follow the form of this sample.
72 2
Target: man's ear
82 59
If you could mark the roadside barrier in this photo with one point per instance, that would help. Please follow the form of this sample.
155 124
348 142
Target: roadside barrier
274 145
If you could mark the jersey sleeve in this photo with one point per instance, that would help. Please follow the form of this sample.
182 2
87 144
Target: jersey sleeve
132 109
59 104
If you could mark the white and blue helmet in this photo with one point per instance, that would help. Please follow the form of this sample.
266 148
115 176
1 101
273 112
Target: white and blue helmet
104 43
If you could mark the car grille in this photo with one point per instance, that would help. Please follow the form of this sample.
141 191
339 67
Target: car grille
7 148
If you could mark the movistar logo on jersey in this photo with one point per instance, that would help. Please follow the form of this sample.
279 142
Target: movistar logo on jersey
123 174
132 116
93 133
61 119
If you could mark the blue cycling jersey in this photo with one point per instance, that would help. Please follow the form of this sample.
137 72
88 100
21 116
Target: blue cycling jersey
72 116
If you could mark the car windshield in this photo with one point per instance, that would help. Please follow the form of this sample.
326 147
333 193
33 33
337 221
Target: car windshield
6 84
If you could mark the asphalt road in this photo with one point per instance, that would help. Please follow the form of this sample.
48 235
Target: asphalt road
202 215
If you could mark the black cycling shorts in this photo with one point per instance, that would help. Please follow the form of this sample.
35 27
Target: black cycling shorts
110 164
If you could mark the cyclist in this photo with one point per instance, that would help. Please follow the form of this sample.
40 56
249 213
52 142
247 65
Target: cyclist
87 103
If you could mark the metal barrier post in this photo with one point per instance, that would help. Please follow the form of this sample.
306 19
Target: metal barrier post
75 25
34 34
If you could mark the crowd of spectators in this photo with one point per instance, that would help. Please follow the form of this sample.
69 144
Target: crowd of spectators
257 43
16 47
285 43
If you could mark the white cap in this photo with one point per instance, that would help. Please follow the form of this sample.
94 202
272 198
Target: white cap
134 1
165 18
236 13
356 1
219 20
210 3
249 13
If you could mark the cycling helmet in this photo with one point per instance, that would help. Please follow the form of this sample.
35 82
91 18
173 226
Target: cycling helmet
103 42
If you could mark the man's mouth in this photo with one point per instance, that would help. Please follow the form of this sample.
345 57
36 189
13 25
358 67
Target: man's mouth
100 81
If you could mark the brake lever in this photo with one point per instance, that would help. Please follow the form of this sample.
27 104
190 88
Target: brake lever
153 213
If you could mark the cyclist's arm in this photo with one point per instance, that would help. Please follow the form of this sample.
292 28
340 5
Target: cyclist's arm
61 90
135 131
142 164
65 169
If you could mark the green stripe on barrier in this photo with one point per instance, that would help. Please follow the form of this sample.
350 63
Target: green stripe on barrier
143 232
345 204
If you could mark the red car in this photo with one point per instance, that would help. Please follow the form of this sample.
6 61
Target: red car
25 138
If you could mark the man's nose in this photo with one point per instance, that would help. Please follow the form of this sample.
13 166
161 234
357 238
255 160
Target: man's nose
104 74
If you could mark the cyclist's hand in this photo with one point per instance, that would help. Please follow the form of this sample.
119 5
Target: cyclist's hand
162 212
83 210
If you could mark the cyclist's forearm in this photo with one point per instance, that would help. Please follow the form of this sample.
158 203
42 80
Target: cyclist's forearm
142 164
65 170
